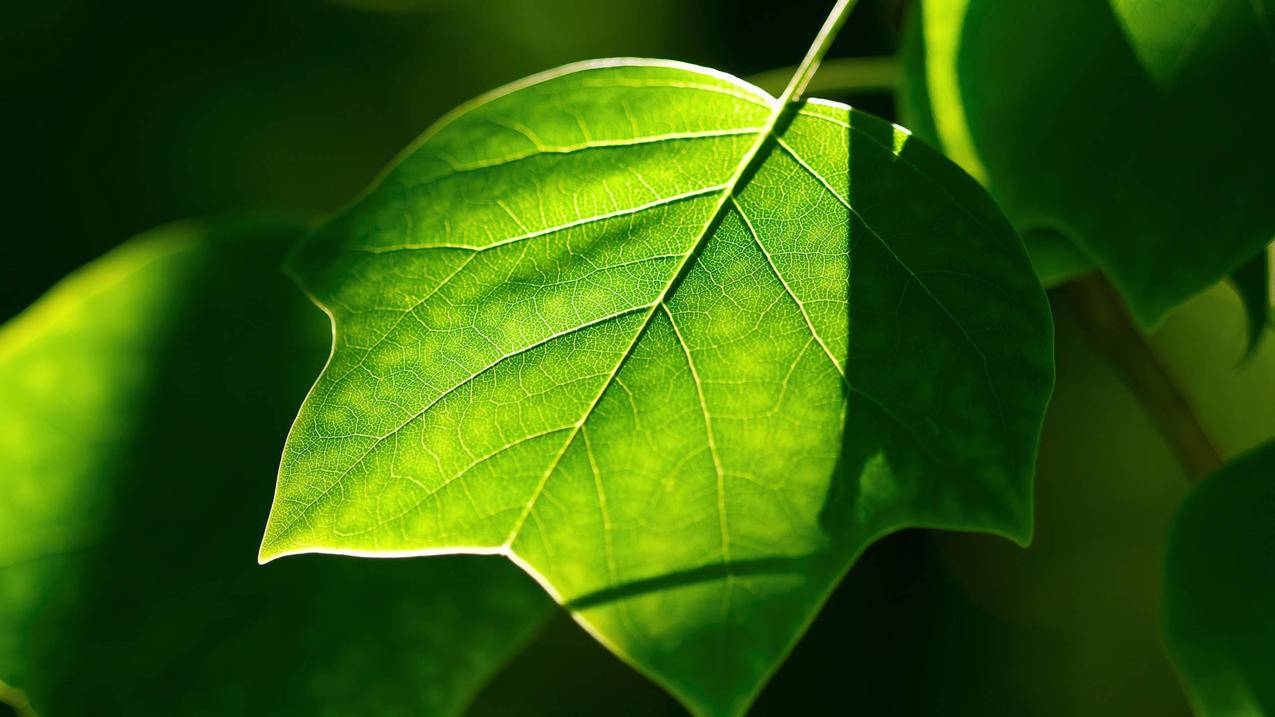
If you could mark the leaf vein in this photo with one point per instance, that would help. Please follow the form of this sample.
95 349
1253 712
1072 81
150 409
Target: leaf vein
708 432
547 230
752 231
304 510
987 369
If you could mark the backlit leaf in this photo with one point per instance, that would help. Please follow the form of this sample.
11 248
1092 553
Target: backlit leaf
576 326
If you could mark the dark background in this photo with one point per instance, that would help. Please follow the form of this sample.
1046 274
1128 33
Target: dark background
122 115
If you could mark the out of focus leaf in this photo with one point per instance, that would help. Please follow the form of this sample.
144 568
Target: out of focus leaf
1055 258
1218 605
144 401
1138 129
1253 284
580 326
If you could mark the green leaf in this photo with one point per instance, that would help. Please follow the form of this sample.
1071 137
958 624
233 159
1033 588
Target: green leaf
145 399
575 327
1252 283
1219 586
1138 129
1055 258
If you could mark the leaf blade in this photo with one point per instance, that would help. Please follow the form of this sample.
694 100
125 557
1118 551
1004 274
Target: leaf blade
1181 200
1215 614
651 422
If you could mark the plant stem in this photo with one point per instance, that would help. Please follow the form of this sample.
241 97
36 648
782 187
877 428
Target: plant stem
810 63
1103 316
840 76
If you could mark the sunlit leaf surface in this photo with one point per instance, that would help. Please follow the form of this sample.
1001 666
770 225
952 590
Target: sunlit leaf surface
576 326
143 404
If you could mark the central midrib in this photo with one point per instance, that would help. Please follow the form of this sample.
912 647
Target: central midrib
785 102
683 268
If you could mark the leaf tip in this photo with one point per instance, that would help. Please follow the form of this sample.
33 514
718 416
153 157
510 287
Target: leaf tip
1022 537
271 548
1021 528
266 553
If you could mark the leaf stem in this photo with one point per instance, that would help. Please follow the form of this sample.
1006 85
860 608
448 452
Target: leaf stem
1103 316
839 76
810 63
13 698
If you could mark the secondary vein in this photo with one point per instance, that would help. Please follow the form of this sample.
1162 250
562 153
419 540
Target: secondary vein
809 65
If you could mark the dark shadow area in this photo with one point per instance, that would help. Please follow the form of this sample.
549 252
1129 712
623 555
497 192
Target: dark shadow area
704 573
566 673
967 624
938 428
899 636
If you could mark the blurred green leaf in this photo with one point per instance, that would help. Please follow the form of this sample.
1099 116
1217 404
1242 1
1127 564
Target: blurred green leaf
576 327
145 398
1219 589
1056 259
1252 283
1138 129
